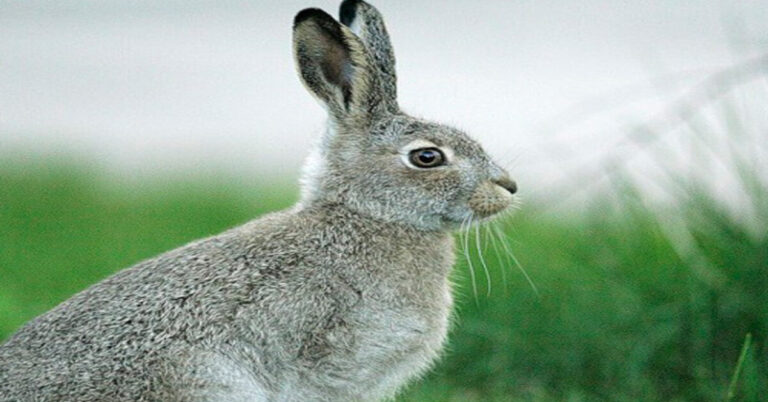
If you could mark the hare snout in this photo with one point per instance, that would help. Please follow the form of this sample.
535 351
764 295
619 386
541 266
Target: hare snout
507 183
492 197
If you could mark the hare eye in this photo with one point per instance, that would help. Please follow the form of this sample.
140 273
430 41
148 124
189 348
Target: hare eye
426 157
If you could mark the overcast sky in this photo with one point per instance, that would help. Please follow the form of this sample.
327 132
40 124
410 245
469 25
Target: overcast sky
156 87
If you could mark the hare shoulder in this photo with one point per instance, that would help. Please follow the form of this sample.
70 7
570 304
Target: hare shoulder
258 309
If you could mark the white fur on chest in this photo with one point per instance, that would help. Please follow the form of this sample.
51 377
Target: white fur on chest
391 335
400 344
388 348
218 378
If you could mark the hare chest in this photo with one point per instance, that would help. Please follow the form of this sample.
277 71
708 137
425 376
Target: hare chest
395 342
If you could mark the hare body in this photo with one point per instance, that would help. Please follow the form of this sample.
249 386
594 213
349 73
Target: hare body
344 309
344 297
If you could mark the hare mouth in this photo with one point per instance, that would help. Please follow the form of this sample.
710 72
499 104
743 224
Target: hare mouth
483 215
490 199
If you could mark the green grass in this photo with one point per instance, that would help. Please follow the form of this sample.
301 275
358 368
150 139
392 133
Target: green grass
626 310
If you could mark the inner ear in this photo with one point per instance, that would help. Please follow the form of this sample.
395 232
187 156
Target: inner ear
325 57
337 69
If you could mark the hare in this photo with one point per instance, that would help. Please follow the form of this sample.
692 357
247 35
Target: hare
343 297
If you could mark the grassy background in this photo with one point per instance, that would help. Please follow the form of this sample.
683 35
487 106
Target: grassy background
633 304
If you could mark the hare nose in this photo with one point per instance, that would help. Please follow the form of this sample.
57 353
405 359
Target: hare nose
507 183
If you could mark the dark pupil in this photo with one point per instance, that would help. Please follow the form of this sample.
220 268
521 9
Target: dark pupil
427 157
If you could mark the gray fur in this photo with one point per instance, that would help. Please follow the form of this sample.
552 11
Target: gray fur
366 22
343 297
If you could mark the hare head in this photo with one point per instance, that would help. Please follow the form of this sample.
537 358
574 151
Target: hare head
373 158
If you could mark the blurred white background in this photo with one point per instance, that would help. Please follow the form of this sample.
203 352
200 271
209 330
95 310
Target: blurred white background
150 87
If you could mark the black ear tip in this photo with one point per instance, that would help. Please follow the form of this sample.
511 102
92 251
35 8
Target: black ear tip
310 13
348 10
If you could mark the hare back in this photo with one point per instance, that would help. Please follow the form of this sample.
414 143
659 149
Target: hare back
316 304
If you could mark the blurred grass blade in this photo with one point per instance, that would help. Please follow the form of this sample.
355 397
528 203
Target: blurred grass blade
739 364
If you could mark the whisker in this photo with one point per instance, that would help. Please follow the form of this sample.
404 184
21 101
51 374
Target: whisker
468 221
517 203
509 159
495 244
482 260
510 254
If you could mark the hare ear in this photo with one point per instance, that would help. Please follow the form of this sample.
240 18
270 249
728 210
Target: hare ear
335 66
367 23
